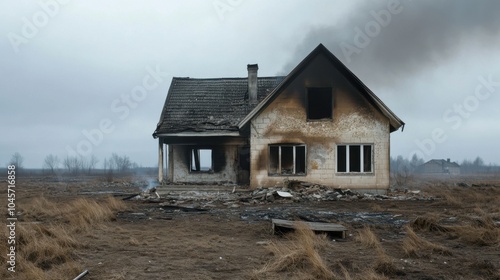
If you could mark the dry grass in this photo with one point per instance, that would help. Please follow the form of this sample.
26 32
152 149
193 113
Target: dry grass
300 257
377 208
371 275
80 214
386 266
416 246
479 230
484 197
478 207
476 235
368 238
47 235
428 224
299 254
39 209
118 276
133 241
486 269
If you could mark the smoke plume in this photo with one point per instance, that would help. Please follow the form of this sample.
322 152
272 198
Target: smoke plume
385 41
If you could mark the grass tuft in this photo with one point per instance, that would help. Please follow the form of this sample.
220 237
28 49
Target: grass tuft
386 266
46 233
368 238
427 224
476 235
416 246
486 269
299 253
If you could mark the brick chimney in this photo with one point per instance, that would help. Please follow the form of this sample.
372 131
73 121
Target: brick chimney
252 82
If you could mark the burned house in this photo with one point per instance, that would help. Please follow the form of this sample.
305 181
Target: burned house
439 167
319 124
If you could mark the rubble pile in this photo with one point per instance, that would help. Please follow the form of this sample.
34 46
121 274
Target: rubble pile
294 192
303 191
150 193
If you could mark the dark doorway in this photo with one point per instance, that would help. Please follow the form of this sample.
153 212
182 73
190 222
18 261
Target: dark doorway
244 165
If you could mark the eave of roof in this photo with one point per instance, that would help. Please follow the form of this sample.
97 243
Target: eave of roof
199 134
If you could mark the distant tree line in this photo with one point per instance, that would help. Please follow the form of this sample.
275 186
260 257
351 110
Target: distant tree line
477 166
76 165
404 170
87 165
405 167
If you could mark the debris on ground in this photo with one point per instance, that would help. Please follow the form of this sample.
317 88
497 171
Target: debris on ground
295 192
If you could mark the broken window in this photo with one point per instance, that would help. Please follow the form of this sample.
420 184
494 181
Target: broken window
319 103
354 158
201 160
287 159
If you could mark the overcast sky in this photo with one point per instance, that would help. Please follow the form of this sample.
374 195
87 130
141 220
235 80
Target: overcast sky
92 76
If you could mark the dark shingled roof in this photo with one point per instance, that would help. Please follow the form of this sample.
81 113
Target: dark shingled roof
210 105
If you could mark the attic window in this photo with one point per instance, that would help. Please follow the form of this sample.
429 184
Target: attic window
287 159
201 160
319 103
355 158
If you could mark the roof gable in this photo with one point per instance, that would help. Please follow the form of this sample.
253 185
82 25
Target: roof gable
395 122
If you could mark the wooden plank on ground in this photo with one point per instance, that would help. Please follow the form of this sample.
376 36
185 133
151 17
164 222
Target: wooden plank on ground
314 226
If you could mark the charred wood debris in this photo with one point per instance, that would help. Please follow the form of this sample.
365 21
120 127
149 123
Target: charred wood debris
295 200
292 191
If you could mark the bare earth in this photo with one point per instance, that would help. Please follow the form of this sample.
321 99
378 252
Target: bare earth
156 239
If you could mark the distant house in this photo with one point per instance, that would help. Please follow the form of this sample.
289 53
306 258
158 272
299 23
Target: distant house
319 124
439 167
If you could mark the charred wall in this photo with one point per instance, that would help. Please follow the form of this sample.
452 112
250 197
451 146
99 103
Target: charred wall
353 120
224 164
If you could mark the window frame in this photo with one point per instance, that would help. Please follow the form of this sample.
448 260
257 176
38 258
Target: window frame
294 156
361 156
191 156
308 92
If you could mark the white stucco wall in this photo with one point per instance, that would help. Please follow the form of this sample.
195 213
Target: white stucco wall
355 121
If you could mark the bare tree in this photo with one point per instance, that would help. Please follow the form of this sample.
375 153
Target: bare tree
51 162
83 164
17 160
478 164
121 163
415 162
92 163
73 164
108 169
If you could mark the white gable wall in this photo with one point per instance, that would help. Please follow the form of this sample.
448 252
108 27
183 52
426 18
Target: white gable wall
355 121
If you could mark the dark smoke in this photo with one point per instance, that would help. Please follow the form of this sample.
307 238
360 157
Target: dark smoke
423 35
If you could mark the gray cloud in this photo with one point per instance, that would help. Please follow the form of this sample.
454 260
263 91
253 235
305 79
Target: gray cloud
64 80
420 35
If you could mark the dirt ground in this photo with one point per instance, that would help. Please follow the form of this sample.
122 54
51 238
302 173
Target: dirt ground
158 239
